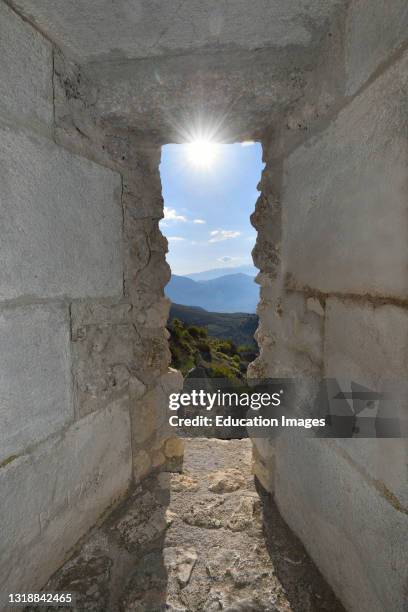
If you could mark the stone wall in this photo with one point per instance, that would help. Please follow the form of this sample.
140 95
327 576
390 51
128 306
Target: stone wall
131 333
65 456
84 355
84 358
332 250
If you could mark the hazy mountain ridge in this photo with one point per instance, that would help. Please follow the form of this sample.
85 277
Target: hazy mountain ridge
226 294
248 269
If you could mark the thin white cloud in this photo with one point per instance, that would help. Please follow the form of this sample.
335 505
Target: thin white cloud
199 221
247 143
170 214
175 238
219 235
227 259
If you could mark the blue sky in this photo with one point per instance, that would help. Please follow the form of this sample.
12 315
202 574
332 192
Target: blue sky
207 209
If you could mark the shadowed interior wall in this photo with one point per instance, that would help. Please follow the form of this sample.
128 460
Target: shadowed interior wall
332 248
62 463
84 356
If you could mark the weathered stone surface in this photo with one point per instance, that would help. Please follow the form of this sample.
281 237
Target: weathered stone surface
158 459
205 512
156 315
25 73
60 215
145 417
181 561
144 557
150 428
250 89
243 514
374 29
146 270
35 375
264 472
142 464
263 462
242 92
174 447
104 359
226 481
184 482
247 92
344 523
106 355
314 305
385 462
63 488
374 349
145 522
90 574
121 350
101 32
290 336
374 354
98 313
136 388
344 201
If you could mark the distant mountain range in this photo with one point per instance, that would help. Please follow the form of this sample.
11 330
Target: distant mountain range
250 270
227 293
238 327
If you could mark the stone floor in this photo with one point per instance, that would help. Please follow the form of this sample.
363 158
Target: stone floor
195 542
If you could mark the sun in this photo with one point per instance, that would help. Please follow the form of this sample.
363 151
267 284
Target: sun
202 153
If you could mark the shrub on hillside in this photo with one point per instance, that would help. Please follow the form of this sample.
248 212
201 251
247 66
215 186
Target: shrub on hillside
203 346
197 332
222 371
227 346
